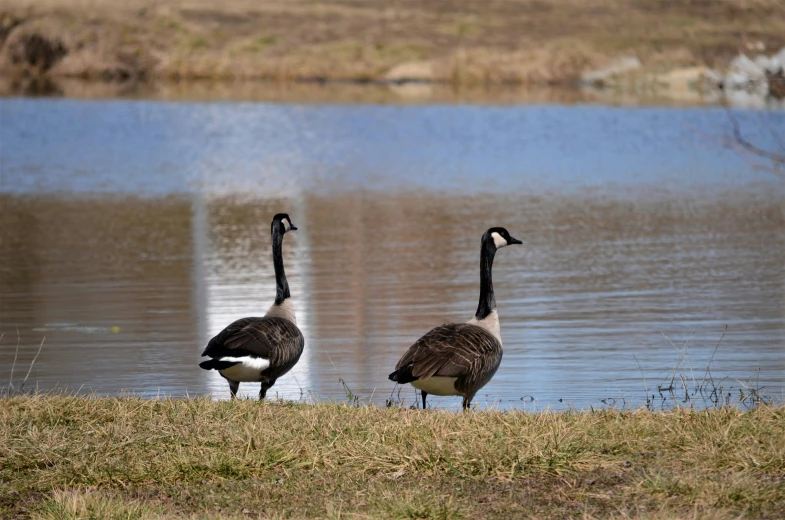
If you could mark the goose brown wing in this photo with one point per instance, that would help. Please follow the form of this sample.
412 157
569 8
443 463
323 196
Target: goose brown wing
276 339
459 350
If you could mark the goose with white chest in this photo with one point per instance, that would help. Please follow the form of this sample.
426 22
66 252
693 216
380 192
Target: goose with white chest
460 358
260 349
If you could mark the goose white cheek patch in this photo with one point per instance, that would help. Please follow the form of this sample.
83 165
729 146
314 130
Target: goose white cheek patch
498 240
286 224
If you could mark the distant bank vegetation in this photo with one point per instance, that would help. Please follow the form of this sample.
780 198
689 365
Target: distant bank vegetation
493 42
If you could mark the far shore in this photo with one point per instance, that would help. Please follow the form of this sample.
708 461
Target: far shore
504 43
346 92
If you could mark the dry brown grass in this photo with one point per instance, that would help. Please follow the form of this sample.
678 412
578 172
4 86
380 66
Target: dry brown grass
517 41
64 457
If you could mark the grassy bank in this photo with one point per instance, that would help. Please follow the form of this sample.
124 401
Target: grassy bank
67 457
496 41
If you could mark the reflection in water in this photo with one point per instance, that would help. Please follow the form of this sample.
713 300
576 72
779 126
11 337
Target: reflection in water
72 266
583 305
235 277
130 232
349 93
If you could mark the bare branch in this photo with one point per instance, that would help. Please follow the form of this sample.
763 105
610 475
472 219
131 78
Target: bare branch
760 152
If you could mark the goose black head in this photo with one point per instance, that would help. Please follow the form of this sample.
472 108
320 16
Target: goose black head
283 223
499 237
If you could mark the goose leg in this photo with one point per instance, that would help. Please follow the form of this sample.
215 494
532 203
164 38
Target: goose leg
467 401
424 395
233 387
265 386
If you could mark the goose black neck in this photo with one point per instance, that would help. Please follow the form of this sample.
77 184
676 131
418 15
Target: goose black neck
281 285
487 298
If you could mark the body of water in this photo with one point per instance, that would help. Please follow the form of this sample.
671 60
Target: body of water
132 231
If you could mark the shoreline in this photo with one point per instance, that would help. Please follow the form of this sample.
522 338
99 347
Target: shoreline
665 49
415 93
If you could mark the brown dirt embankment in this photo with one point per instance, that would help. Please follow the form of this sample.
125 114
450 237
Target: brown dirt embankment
490 42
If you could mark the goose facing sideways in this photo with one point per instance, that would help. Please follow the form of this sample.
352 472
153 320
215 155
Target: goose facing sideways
260 349
460 358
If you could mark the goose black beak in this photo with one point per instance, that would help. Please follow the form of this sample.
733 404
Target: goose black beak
514 241
292 227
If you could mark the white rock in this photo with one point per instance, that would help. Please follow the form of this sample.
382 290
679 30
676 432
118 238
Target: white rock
411 71
742 98
689 78
768 65
742 65
411 89
777 63
747 74
735 81
780 57
617 67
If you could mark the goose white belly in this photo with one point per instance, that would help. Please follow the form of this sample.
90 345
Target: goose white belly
247 370
437 385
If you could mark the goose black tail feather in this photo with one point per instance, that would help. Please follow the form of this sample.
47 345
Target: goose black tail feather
217 364
403 375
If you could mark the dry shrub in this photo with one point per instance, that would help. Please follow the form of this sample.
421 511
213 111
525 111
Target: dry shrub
558 62
103 62
35 47
504 41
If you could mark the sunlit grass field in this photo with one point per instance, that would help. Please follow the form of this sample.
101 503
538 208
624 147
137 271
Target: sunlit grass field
68 457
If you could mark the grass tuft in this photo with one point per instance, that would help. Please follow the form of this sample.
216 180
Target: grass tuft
63 456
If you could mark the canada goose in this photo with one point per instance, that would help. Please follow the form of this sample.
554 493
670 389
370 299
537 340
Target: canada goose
260 349
460 358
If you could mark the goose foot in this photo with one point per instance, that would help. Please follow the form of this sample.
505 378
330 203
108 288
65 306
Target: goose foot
265 386
233 387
